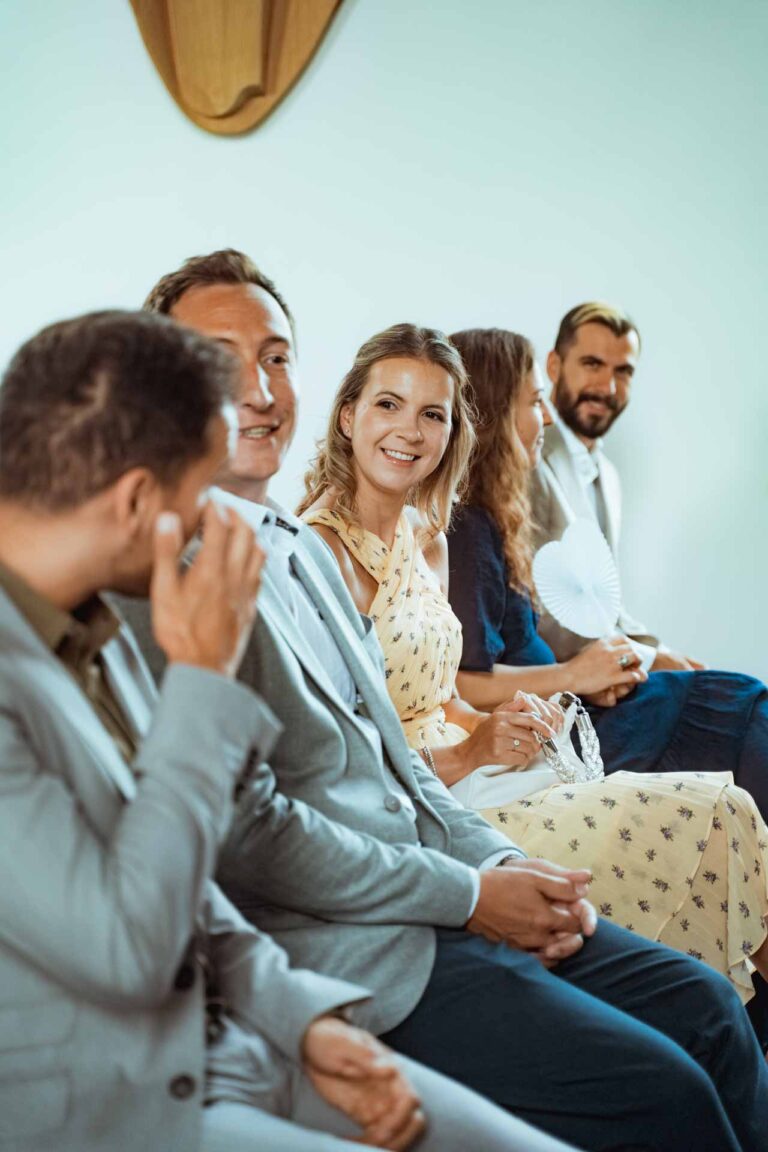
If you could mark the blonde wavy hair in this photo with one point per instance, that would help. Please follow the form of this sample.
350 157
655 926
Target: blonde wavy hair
333 464
499 363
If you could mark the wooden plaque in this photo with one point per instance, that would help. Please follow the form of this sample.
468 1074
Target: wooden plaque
228 63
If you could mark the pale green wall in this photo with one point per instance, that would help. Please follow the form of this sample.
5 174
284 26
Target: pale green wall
462 163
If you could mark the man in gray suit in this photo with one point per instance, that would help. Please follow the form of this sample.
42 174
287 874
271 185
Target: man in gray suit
363 866
118 956
591 368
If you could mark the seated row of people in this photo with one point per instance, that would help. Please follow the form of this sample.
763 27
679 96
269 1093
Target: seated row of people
680 856
139 991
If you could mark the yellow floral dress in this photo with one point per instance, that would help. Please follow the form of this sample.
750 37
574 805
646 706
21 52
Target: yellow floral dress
680 857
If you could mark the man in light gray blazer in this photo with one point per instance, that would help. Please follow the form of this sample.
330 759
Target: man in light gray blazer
364 867
591 368
118 956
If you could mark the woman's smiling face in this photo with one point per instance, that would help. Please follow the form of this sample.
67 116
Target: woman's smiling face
400 425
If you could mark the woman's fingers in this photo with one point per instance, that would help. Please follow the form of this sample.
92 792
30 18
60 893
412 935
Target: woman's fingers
525 721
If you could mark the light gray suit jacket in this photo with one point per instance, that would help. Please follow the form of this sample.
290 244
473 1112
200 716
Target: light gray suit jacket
103 881
557 499
325 854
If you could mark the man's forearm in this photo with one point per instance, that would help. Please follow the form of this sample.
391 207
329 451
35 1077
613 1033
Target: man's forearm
285 853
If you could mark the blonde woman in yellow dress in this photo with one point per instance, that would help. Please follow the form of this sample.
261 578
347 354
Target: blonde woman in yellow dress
380 493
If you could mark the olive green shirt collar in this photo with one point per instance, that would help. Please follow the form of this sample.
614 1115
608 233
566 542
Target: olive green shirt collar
74 637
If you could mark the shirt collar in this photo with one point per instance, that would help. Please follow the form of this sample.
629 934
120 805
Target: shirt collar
74 636
276 529
584 459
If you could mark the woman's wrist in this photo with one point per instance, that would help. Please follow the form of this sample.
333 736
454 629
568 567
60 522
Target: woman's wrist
426 754
450 762
471 720
566 679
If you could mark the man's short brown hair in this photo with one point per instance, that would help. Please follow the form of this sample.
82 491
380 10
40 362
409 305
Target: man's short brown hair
226 266
87 399
593 312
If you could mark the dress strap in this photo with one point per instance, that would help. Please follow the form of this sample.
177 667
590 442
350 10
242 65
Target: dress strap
367 548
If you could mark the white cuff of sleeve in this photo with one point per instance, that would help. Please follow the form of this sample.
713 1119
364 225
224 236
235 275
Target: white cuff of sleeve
496 858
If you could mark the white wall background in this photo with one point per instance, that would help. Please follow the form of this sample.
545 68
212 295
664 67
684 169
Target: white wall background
469 162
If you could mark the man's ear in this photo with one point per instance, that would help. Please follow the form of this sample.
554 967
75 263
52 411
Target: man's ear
554 367
136 501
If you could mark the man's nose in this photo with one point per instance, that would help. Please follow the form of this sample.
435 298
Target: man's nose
607 383
256 390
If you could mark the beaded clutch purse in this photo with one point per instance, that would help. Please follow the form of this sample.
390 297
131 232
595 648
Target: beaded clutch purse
561 755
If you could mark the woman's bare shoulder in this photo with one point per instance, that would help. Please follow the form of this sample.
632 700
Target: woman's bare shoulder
326 501
434 546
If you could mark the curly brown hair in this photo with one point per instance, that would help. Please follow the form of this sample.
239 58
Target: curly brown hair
499 363
332 466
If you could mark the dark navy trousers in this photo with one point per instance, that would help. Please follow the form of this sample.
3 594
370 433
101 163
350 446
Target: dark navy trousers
628 1045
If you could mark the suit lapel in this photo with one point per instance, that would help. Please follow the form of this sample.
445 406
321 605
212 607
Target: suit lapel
609 484
98 775
370 683
66 697
130 682
561 462
275 611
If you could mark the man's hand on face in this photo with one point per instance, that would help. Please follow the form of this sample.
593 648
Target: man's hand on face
357 1074
204 615
535 906
669 661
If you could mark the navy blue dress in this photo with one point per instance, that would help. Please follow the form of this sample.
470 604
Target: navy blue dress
674 722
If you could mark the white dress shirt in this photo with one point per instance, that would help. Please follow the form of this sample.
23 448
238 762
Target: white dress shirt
585 461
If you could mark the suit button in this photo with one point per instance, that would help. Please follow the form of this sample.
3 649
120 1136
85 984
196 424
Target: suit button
185 978
392 804
182 1087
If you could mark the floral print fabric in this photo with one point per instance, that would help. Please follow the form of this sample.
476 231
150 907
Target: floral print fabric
419 634
678 857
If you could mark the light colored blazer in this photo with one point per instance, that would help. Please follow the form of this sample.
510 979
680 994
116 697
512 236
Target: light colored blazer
324 854
557 499
103 880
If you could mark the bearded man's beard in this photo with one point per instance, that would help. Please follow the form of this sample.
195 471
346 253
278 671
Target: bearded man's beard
573 411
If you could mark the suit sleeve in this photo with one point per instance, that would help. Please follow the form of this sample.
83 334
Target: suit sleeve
472 839
262 992
321 868
109 917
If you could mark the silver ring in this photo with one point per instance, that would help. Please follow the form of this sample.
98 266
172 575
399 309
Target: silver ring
515 743
625 660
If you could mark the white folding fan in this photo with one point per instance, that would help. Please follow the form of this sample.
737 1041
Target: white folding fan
578 583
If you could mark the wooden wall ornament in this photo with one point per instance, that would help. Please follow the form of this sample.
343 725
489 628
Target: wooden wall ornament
229 63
